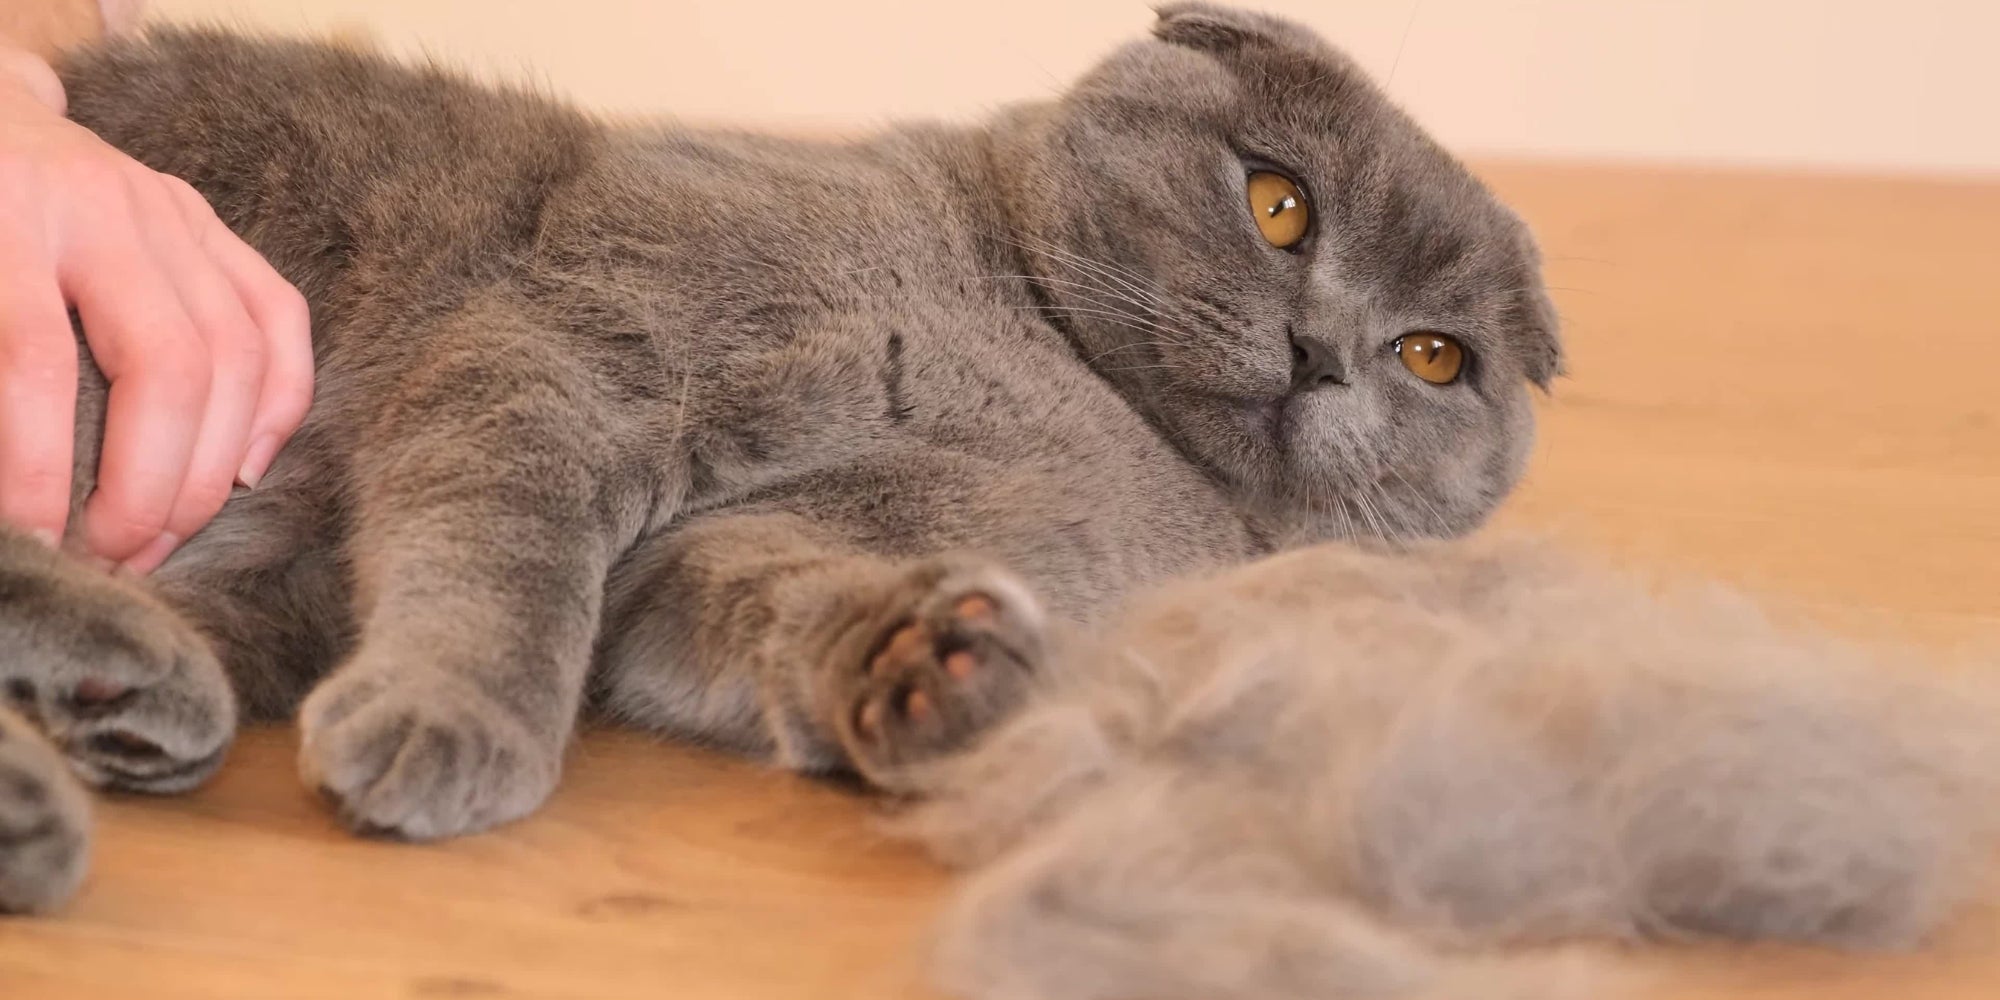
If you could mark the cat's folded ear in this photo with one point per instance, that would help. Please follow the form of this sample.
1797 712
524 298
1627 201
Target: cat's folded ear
1541 334
1212 28
1276 52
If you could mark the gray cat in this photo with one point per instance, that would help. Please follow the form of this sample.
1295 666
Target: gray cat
798 448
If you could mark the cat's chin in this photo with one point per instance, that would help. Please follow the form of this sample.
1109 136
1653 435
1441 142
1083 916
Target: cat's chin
1281 456
1246 442
1379 522
1238 438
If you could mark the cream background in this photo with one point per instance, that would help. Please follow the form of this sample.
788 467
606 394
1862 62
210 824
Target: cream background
1846 84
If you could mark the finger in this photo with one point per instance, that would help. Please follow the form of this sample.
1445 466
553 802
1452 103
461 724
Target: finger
37 400
235 350
158 366
279 313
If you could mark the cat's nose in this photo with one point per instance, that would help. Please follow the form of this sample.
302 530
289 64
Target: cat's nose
1316 363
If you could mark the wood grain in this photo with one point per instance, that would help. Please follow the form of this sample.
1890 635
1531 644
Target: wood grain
1782 381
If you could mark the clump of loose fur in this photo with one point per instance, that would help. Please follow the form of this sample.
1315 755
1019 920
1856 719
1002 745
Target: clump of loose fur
1338 774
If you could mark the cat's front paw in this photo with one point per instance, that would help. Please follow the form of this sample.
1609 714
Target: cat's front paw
951 651
418 755
44 822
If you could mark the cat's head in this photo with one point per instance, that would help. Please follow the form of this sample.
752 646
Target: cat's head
1285 274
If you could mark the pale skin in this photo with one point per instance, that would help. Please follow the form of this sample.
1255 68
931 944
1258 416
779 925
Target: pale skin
207 349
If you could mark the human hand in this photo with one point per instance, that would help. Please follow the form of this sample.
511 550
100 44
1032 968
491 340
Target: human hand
207 349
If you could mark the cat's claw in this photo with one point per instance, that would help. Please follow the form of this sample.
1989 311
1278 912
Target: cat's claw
952 653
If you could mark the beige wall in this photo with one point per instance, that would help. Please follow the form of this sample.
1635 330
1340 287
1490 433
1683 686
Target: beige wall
1850 84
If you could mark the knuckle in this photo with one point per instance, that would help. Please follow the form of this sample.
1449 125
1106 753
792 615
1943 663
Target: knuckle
193 210
179 356
248 352
234 342
107 180
183 376
125 522
290 415
77 177
285 406
290 304
182 192
198 502
281 307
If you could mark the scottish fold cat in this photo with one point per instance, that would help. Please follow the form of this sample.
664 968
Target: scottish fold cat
796 447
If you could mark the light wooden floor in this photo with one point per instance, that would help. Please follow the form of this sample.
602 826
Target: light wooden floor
1784 382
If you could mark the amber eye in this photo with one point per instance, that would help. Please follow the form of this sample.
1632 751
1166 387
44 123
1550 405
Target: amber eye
1433 357
1279 208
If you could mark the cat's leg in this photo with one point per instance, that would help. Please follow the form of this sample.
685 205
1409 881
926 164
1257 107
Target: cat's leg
124 688
120 684
264 585
477 596
480 534
44 821
768 630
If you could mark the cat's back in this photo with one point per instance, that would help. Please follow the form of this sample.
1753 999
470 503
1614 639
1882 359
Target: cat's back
876 286
366 179
735 248
329 158
759 233
876 274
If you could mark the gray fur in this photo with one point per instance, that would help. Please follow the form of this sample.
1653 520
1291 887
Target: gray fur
1341 774
97 679
691 424
44 821
813 450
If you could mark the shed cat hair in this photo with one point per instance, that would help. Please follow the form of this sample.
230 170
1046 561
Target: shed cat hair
1336 773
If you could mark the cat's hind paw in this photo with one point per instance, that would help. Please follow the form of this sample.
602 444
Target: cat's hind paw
126 690
951 651
44 822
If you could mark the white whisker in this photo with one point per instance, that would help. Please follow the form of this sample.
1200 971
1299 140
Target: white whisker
1443 526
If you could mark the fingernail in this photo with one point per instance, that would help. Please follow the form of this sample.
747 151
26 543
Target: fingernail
257 460
149 558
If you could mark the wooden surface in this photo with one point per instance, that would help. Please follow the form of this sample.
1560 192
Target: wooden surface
1784 382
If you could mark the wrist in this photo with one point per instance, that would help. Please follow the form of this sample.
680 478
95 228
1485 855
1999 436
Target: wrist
24 74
